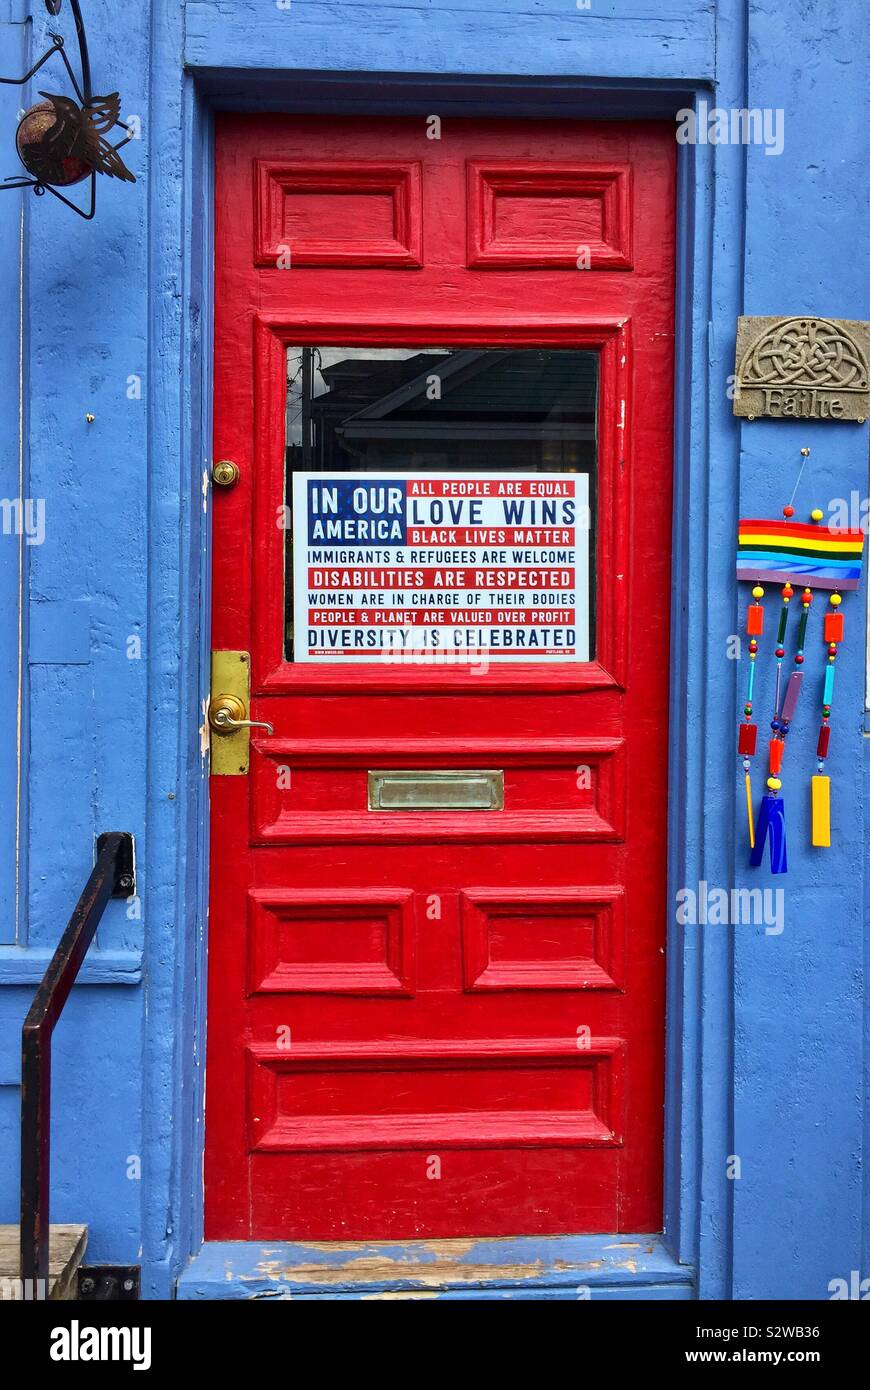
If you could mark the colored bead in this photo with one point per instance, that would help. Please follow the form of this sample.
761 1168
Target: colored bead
824 741
816 514
758 592
780 651
755 620
774 784
788 511
834 626
836 600
776 750
799 659
747 709
746 739
826 710
787 591
807 597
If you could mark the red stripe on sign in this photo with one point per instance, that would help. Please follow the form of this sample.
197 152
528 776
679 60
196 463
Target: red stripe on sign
486 487
456 617
447 580
489 535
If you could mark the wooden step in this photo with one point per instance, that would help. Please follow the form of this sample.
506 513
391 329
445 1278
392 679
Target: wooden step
65 1253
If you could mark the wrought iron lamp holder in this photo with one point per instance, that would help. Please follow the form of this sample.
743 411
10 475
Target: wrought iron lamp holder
62 141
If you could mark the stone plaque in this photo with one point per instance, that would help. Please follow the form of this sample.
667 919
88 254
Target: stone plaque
802 369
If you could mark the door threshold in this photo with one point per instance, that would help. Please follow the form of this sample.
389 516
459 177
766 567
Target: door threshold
542 1267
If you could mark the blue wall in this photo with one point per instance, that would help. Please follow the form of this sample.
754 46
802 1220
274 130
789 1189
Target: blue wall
766 1033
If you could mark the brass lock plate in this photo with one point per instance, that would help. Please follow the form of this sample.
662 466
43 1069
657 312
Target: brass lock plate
231 675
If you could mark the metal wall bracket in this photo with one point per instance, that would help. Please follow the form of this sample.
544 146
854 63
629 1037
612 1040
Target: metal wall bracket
125 865
109 1283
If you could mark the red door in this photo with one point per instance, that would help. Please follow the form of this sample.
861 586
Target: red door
437 922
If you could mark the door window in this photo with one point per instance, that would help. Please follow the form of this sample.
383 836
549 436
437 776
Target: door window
473 536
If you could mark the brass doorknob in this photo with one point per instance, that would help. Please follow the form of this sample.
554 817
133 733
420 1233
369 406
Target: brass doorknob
227 714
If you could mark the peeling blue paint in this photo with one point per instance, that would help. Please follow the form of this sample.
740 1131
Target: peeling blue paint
576 1267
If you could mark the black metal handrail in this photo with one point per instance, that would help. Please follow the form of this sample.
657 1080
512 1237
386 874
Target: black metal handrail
113 876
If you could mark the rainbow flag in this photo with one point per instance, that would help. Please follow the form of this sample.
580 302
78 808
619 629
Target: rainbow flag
823 557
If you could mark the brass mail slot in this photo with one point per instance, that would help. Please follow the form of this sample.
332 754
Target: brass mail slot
436 789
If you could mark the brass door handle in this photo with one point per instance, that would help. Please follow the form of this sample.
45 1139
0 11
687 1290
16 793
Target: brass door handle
227 714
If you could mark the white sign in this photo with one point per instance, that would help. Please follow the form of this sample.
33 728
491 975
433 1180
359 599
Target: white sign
407 568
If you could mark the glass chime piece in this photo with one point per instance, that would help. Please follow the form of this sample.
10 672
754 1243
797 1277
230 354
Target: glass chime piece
793 690
829 685
749 816
821 811
746 740
771 826
833 627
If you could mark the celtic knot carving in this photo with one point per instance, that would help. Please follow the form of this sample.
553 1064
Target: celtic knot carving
805 353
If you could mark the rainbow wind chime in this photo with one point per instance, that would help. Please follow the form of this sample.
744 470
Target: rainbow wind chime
800 558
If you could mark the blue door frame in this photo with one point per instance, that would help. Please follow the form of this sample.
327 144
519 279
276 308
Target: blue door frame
766 1035
665 1267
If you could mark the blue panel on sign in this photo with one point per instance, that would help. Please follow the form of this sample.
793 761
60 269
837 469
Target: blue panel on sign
347 510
